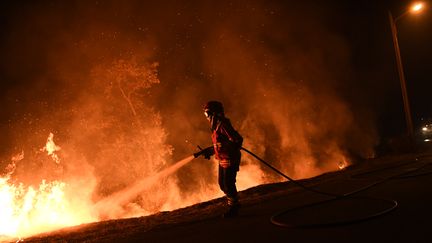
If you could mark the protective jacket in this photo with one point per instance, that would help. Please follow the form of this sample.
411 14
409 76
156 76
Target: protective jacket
227 142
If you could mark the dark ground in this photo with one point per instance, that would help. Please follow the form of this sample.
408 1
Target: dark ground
403 178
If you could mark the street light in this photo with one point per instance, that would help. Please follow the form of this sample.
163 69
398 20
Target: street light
415 8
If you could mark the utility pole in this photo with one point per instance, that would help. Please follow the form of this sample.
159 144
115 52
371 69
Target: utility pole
409 124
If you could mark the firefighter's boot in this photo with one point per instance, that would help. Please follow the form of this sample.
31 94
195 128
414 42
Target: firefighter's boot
233 208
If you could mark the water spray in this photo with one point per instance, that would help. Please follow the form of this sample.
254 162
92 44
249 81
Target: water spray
106 205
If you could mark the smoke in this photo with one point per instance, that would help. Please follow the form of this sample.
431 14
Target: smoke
280 75
121 85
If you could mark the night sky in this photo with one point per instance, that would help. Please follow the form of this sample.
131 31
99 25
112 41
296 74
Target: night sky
374 56
36 34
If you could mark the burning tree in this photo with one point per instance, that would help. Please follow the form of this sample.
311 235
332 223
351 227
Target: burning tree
131 79
126 133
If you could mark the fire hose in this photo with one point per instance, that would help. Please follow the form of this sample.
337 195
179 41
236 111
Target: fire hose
275 218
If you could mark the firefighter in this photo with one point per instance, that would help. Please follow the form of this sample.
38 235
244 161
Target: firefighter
226 148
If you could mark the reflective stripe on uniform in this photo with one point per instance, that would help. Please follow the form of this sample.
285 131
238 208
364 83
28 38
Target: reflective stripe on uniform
224 163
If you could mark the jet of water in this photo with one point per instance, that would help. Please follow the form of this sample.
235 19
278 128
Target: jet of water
124 196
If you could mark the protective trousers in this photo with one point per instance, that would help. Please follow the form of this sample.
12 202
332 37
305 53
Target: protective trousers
227 180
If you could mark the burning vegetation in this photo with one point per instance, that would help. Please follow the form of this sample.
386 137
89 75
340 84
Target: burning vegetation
30 209
121 104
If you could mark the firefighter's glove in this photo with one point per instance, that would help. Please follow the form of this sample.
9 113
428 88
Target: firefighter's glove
225 163
206 153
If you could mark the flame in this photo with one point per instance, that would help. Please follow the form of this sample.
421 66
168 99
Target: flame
27 210
51 148
343 163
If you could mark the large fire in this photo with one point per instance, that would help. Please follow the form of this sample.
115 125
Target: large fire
115 160
26 209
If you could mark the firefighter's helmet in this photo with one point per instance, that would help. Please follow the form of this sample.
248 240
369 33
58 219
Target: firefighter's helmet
212 108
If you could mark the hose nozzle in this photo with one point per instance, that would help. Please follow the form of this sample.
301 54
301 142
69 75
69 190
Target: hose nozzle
207 152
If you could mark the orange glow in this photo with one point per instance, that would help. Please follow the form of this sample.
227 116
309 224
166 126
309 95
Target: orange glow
416 7
27 210
51 148
116 146
343 164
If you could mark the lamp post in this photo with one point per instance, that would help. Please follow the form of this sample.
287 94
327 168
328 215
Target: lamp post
414 8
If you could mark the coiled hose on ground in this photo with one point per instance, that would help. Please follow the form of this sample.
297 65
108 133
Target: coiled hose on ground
276 218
